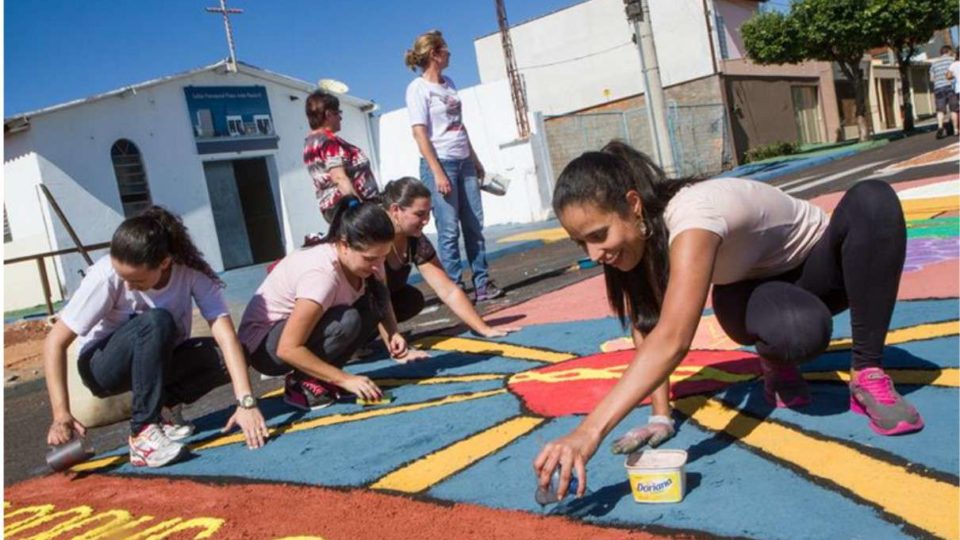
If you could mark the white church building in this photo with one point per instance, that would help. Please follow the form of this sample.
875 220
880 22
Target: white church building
220 147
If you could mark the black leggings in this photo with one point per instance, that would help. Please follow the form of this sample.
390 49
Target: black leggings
856 265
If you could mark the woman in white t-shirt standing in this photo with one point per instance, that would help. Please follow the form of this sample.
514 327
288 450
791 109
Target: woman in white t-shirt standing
448 166
133 314
779 267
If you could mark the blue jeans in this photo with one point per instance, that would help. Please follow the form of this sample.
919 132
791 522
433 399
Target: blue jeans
459 208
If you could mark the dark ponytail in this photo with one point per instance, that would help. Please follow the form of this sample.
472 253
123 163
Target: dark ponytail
153 235
403 191
359 224
603 179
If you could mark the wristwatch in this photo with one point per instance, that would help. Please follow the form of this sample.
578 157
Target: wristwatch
247 402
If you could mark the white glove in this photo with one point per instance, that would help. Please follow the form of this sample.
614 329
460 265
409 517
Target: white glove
658 429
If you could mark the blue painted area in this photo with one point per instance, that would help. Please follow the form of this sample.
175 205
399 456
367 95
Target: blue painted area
350 454
769 170
829 415
731 491
581 337
442 364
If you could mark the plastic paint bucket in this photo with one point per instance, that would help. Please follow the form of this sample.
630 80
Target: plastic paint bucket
657 476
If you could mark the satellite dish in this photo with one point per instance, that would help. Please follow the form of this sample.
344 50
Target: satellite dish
333 85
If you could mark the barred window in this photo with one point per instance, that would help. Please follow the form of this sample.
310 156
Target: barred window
131 177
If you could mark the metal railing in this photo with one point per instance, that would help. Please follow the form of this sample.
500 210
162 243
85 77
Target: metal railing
42 267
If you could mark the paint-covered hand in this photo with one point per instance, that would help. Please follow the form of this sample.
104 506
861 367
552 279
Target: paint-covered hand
62 429
570 454
362 386
252 424
657 430
497 331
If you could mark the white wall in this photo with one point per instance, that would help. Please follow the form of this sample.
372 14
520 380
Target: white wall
488 116
21 281
583 56
73 144
734 13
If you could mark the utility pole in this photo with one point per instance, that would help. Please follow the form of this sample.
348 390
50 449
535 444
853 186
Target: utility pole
517 91
226 12
638 13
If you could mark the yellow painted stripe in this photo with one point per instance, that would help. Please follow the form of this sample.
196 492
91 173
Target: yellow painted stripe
436 467
949 377
546 235
926 503
928 208
391 383
312 423
480 346
912 333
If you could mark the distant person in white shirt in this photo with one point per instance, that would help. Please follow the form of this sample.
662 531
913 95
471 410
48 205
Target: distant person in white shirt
133 314
944 94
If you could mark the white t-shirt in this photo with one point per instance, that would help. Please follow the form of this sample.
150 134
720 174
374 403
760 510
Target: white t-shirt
103 302
437 106
955 69
312 273
763 231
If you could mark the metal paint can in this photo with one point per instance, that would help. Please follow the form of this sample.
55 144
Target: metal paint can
657 476
61 458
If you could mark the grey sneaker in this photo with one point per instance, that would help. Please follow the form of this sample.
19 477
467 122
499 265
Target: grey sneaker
872 394
151 448
173 424
488 291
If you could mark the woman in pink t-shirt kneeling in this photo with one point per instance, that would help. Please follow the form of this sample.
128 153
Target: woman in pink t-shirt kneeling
320 304
779 267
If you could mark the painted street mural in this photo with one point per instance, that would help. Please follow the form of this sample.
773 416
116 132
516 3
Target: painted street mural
451 455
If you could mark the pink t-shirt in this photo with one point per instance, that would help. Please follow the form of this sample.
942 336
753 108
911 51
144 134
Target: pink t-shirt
763 231
313 273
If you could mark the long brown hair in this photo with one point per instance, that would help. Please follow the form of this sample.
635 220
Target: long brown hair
151 236
603 179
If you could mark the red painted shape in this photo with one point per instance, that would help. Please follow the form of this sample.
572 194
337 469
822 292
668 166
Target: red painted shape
939 280
574 390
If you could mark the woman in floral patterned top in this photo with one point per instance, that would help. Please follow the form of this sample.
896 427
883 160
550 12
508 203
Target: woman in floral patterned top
337 167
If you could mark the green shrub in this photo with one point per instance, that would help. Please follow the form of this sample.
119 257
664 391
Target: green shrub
779 148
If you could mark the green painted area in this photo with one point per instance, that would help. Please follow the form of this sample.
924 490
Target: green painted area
934 228
813 150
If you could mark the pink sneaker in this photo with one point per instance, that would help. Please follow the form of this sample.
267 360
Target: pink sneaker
783 386
872 394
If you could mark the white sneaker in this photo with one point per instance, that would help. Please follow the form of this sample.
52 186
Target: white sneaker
152 448
173 424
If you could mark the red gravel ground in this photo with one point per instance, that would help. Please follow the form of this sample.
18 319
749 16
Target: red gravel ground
277 511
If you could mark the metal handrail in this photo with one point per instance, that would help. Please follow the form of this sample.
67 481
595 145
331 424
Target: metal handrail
42 268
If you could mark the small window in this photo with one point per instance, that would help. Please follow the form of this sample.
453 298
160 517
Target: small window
131 177
264 124
7 236
235 126
722 37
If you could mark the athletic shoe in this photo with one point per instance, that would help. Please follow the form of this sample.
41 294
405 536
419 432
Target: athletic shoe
783 386
151 448
307 393
872 394
488 291
941 134
173 424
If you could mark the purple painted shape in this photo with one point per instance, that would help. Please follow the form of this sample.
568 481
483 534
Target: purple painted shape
922 252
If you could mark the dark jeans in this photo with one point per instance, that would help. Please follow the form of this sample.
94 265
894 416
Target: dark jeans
140 357
856 265
340 332
407 302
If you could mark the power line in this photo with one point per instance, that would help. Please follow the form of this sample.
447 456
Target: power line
548 64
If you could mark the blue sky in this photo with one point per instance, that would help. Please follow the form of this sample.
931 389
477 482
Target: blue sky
60 50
